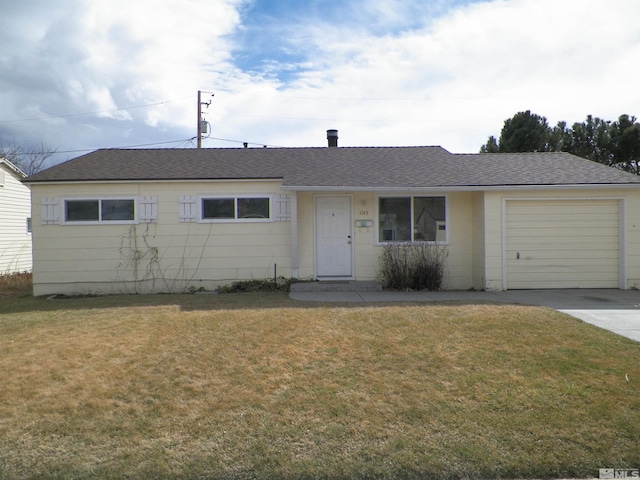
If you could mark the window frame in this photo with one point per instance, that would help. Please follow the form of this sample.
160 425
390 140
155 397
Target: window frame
99 220
412 197
235 199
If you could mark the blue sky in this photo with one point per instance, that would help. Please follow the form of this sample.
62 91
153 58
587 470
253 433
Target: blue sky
78 75
273 33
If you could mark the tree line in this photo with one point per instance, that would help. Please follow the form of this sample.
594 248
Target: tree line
613 143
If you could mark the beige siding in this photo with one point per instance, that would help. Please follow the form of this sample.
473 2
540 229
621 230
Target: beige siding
367 250
306 232
478 241
562 244
163 256
175 255
459 272
15 208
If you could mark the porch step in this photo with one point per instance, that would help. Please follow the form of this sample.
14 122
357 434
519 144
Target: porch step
336 286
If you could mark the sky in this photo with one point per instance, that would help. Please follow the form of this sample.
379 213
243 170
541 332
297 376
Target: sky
79 75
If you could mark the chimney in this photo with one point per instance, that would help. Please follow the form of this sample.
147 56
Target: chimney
332 136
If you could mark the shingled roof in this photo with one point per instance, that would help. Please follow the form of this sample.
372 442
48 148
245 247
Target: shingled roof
343 167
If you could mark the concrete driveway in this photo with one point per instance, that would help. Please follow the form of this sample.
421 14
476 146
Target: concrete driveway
614 310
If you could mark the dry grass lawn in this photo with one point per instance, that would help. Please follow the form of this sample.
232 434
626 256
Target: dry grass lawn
258 386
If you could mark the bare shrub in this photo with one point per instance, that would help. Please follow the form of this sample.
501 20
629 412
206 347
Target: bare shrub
428 263
412 266
15 284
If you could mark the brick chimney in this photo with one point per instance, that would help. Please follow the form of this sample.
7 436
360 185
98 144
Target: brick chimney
332 137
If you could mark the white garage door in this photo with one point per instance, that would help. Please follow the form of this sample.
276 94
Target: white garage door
562 244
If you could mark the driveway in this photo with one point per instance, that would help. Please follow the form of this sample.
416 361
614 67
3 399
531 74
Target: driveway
611 309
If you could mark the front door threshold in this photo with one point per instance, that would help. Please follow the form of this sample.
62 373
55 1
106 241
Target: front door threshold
334 279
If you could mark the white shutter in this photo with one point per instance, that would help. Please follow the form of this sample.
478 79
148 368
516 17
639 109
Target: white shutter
282 208
148 209
50 211
188 211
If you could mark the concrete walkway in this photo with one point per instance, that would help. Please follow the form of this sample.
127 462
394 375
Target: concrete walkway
614 310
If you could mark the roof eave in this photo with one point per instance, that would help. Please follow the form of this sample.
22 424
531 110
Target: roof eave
150 180
14 168
457 188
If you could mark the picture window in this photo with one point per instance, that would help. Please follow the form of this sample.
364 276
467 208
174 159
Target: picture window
412 219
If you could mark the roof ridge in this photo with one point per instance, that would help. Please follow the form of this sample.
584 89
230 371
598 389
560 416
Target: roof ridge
268 148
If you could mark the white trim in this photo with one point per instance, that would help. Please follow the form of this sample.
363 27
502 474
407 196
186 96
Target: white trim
622 250
346 188
148 180
459 188
99 221
235 198
15 168
295 248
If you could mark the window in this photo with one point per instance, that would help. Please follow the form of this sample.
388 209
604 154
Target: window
100 210
236 208
412 219
29 225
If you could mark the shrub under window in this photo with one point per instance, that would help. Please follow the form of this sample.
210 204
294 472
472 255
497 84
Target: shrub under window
411 219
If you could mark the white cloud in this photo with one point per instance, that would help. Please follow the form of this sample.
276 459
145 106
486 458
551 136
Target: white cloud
384 72
456 80
78 57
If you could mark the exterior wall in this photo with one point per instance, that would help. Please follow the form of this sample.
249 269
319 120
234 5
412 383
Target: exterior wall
306 235
170 255
493 228
478 221
167 255
366 250
15 208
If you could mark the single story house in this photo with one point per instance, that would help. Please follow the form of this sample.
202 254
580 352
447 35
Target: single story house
15 220
170 220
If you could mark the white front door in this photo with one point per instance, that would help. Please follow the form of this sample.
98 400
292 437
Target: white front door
333 236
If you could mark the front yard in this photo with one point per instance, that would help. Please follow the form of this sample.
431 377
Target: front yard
259 386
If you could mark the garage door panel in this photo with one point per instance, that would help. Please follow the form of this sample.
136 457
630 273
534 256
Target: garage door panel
562 244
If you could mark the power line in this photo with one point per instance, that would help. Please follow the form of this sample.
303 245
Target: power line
183 141
140 145
91 113
245 143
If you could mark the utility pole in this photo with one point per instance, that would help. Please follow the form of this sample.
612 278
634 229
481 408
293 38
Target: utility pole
201 122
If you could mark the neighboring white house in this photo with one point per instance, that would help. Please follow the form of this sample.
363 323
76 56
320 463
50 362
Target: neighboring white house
167 220
15 218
